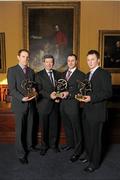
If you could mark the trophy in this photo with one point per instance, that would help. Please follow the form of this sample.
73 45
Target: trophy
84 87
28 86
60 86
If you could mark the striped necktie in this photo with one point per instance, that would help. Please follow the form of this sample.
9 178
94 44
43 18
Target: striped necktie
68 74
51 77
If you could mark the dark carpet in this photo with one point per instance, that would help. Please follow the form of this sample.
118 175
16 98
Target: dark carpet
56 166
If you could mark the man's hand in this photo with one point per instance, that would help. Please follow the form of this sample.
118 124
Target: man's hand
26 98
57 100
53 95
64 94
86 99
33 89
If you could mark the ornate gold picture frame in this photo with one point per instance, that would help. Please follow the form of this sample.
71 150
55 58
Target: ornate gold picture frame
2 53
109 47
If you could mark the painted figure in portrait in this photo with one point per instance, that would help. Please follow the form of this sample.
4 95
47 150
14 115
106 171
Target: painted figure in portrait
50 32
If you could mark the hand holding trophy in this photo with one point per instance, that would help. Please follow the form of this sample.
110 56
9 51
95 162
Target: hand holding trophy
28 86
84 87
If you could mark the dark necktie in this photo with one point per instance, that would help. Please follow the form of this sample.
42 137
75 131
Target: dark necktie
51 77
68 75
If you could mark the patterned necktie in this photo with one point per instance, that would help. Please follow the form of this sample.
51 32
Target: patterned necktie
68 75
25 70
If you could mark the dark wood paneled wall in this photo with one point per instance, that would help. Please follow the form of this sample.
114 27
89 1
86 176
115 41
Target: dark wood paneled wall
7 119
7 125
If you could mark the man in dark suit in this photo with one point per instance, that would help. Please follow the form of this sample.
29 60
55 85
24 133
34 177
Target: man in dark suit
70 107
48 105
22 105
94 112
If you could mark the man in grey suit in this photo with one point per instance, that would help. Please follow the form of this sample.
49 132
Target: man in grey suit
95 111
70 107
22 105
48 105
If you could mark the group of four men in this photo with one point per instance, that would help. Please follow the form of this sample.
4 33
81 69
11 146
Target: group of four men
83 133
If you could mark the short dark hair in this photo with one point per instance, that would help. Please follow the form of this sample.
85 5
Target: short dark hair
23 50
92 51
73 55
48 56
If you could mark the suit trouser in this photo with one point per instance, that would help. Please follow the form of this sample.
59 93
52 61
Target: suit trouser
72 126
49 128
93 140
24 130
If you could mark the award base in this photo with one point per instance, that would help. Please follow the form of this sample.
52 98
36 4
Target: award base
79 97
58 95
32 95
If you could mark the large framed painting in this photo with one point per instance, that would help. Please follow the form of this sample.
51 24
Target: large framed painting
2 53
109 47
51 28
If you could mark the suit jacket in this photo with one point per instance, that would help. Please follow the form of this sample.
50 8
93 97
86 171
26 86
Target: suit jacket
45 87
101 91
71 103
15 77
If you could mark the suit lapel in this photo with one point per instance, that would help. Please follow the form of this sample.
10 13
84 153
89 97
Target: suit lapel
20 71
87 75
47 77
64 74
29 74
55 75
95 73
73 75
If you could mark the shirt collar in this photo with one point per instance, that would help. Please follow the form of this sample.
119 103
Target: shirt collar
72 70
22 66
93 70
49 70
